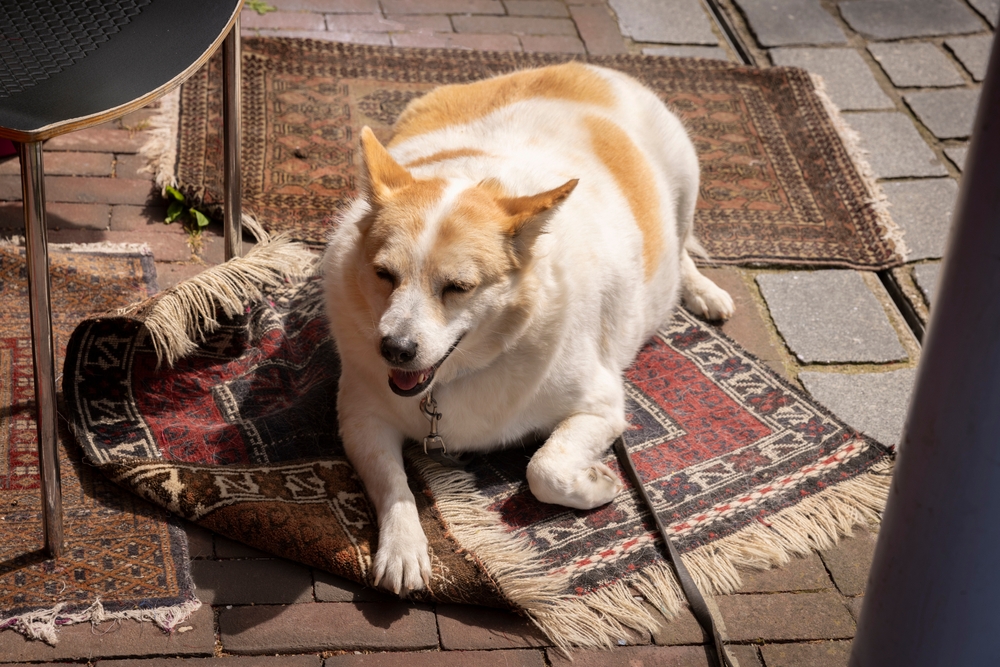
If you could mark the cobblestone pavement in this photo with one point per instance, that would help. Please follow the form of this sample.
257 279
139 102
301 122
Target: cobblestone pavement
906 73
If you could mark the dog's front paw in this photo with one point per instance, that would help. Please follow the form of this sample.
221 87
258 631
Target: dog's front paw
402 563
708 300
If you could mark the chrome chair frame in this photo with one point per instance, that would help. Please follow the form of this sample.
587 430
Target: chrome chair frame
36 247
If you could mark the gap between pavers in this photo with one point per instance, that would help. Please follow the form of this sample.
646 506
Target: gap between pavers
676 22
849 82
915 65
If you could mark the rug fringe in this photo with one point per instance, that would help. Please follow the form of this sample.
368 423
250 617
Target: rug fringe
44 624
818 522
600 618
160 149
182 315
891 231
100 247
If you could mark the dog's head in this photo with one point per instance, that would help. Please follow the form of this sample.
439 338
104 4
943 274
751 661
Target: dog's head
443 266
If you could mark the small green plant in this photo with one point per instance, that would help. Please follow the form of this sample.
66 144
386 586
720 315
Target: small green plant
194 221
259 6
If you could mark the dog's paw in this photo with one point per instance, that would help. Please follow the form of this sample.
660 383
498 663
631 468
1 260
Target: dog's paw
708 300
402 562
588 488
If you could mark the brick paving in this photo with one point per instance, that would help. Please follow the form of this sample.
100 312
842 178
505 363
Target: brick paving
906 73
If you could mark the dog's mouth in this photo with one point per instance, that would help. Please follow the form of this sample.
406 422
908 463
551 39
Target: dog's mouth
412 383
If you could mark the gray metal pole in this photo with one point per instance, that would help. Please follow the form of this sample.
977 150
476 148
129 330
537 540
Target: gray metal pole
231 112
36 251
933 594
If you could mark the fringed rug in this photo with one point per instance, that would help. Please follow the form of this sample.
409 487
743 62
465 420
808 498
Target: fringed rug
783 182
240 435
122 558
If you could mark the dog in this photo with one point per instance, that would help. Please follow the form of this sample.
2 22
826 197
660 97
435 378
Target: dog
514 245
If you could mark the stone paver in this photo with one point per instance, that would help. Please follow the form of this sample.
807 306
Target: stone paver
677 22
927 277
850 560
973 52
948 114
788 22
633 656
58 216
552 44
786 617
331 588
242 661
923 208
873 403
535 8
109 640
849 81
895 147
818 654
598 29
957 155
513 25
467 628
345 626
800 574
895 19
251 581
451 41
442 6
989 9
680 630
681 51
441 659
918 64
830 317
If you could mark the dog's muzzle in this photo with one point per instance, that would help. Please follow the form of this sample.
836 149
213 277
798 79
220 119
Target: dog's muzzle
414 383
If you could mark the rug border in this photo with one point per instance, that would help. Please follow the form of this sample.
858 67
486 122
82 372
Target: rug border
161 149
818 522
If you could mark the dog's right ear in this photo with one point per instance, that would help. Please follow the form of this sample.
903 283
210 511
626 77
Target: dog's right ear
384 174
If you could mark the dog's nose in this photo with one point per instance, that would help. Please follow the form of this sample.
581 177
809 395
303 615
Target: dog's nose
399 350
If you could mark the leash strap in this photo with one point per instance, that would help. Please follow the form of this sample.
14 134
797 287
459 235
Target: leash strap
695 598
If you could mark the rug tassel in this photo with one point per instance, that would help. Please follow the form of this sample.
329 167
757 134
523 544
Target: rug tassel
859 156
160 148
180 316
44 624
600 618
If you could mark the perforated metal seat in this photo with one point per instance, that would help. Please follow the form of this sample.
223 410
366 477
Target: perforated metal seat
70 64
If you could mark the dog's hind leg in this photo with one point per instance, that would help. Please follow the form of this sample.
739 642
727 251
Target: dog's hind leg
702 296
567 469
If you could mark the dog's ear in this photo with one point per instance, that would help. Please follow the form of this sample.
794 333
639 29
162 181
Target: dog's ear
527 215
384 174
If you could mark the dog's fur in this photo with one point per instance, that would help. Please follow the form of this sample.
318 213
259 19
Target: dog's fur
518 242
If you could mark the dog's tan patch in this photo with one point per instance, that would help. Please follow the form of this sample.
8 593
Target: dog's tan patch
634 177
457 104
443 156
471 239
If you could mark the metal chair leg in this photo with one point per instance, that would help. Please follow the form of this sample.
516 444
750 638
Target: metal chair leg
231 111
33 187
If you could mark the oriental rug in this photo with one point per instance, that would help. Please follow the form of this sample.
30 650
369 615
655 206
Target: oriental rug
122 558
783 182
226 415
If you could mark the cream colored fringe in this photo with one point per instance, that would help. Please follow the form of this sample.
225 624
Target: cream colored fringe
100 247
599 619
859 156
180 316
44 624
160 149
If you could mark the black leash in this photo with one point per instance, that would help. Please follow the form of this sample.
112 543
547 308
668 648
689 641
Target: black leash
695 598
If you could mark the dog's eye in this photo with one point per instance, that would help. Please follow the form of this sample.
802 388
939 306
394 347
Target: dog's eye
455 288
386 275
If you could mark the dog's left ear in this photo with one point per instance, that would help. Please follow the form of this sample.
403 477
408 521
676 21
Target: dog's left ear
385 175
527 215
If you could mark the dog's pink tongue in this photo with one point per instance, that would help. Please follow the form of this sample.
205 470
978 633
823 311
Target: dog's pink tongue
405 380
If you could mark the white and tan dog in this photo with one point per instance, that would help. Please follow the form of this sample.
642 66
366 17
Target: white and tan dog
514 247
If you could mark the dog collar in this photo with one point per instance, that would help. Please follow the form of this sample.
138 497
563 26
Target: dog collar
434 445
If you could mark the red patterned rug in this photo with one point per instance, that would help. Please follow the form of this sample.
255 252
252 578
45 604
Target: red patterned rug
239 435
782 181
122 557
